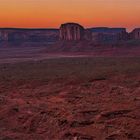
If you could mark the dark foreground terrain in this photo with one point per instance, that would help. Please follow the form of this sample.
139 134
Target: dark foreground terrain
70 99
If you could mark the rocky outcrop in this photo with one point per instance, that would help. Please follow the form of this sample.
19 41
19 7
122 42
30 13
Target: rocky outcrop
14 34
102 34
123 35
135 34
3 35
71 31
88 35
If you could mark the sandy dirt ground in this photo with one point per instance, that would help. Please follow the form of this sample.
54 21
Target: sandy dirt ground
12 54
18 54
68 97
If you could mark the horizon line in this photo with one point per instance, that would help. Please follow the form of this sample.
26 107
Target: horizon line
55 28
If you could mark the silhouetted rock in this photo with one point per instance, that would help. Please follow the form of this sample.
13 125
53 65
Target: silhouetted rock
104 34
71 31
88 35
135 34
32 35
3 35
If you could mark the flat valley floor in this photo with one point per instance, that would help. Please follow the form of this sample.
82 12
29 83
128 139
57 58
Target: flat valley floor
68 98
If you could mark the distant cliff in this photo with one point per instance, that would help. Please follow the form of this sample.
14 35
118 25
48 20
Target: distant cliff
106 29
71 31
75 32
15 34
135 34
105 34
68 32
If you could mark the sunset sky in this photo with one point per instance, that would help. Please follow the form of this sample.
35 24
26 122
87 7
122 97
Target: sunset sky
51 13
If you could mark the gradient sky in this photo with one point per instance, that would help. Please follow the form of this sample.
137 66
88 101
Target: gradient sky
51 13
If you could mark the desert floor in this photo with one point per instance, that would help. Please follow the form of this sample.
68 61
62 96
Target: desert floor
68 98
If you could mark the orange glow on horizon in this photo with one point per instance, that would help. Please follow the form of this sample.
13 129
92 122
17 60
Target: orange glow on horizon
51 13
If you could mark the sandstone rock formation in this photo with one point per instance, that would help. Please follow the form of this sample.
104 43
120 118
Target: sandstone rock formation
135 34
3 35
15 34
71 31
88 35
102 34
